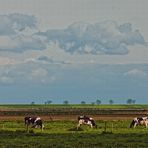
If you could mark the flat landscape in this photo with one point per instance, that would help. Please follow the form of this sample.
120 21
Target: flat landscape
60 126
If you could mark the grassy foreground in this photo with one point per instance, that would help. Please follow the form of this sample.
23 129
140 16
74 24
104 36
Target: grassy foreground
63 134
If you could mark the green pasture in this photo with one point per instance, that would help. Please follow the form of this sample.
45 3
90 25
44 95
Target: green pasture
63 134
102 106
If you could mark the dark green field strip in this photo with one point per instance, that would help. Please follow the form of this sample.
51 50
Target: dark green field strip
102 106
72 111
73 140
63 134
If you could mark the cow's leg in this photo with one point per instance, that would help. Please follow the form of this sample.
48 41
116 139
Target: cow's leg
91 125
26 122
135 125
34 125
145 124
42 127
78 126
27 127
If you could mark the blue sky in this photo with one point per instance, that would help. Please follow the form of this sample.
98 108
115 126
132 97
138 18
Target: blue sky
75 50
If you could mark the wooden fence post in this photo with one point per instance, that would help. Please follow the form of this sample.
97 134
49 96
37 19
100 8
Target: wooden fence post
112 127
27 128
105 128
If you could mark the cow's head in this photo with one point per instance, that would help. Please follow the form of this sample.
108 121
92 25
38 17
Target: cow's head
94 123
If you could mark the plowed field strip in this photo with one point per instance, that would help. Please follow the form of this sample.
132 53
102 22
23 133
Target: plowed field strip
69 117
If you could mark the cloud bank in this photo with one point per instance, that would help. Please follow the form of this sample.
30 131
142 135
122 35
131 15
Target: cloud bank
100 38
16 33
19 32
13 23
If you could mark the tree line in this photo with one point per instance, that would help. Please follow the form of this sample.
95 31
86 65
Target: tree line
97 102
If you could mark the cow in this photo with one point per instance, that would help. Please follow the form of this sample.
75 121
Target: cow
34 121
86 121
139 121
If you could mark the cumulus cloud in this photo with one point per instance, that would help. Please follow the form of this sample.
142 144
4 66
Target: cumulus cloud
6 80
12 23
21 43
38 74
100 38
48 60
7 43
83 38
34 72
136 73
13 36
45 59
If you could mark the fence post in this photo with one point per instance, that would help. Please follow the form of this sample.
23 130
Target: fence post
3 127
105 128
27 128
112 127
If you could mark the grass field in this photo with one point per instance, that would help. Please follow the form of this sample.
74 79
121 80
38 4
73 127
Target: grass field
64 134
102 106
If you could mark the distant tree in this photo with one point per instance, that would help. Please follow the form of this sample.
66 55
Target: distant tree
111 101
92 103
133 101
98 102
83 102
48 102
32 103
130 101
65 102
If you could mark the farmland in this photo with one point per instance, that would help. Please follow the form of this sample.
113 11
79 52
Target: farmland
60 127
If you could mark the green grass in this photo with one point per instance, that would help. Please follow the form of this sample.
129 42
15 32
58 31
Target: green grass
102 106
64 134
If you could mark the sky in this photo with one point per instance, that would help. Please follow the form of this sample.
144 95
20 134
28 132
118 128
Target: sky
75 50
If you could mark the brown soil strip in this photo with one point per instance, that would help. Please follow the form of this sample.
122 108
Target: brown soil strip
69 117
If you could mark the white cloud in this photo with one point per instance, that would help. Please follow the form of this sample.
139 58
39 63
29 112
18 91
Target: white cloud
16 22
136 73
17 33
32 71
21 43
101 38
7 43
45 59
38 74
6 80
6 61
106 37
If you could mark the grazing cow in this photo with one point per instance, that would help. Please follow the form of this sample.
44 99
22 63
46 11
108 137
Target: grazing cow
34 121
86 121
139 121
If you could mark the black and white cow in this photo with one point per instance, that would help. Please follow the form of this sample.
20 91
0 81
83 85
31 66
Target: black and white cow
86 121
34 121
139 121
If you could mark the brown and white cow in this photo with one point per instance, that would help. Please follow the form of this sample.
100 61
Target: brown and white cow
34 121
86 121
139 121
